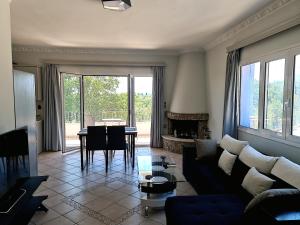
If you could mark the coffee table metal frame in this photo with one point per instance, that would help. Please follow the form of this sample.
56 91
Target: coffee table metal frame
157 180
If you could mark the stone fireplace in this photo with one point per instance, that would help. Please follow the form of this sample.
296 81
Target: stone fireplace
183 128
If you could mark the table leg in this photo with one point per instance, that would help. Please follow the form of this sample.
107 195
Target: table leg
130 137
133 151
106 161
81 152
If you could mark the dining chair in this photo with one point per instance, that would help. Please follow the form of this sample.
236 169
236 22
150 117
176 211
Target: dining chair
95 140
115 141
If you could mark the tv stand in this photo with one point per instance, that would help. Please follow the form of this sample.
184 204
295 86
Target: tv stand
18 205
8 201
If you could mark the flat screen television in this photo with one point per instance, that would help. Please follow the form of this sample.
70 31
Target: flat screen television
14 158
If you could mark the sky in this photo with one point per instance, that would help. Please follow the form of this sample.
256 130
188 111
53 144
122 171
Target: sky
143 85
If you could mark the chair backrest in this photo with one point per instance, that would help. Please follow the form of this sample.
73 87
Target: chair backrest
96 138
116 138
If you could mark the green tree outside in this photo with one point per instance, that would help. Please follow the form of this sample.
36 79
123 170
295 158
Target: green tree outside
101 100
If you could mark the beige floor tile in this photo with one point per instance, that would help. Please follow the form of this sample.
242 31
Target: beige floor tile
76 216
100 190
158 216
116 196
42 217
85 197
62 208
93 190
49 202
90 221
150 222
59 221
114 211
99 204
129 202
135 219
62 187
128 189
50 193
71 192
115 185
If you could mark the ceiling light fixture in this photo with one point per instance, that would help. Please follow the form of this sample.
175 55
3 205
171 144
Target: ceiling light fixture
116 5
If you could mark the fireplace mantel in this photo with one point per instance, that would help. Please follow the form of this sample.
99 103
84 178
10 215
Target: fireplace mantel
187 116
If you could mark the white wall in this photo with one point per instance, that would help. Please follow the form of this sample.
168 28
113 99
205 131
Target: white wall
7 120
215 85
189 94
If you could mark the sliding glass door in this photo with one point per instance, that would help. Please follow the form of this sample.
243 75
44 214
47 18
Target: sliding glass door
105 100
143 108
72 110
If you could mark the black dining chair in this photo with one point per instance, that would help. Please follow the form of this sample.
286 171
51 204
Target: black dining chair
115 141
95 140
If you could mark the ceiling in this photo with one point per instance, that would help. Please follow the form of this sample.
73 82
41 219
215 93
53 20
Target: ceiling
149 24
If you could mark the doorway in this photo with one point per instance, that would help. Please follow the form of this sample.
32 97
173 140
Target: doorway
143 108
94 100
72 111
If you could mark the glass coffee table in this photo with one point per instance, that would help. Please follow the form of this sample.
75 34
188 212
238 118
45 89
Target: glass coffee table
157 179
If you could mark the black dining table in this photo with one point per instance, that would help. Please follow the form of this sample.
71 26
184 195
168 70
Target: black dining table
130 132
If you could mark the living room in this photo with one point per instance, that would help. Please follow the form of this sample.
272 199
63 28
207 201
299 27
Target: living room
192 43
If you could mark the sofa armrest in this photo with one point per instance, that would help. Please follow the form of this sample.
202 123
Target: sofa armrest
274 210
188 158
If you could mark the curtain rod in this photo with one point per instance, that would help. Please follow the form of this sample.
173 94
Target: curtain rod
112 64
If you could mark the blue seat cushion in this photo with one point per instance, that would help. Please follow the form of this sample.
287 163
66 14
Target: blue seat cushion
205 210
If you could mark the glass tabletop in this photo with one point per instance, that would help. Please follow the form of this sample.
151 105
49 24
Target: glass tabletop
157 169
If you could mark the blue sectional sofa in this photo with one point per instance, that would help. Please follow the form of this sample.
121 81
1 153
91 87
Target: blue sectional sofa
221 199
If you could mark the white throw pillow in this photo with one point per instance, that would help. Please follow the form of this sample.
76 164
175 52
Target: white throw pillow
255 182
287 171
232 145
226 161
253 158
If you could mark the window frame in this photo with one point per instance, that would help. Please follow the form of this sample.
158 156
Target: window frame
288 90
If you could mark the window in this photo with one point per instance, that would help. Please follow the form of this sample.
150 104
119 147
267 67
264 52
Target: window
274 95
296 98
249 98
269 98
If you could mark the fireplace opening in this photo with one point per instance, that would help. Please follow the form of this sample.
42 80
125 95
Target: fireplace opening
187 129
187 126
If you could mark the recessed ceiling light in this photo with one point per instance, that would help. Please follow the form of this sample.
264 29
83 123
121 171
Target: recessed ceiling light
117 5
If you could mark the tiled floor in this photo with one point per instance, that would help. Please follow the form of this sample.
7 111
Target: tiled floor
92 197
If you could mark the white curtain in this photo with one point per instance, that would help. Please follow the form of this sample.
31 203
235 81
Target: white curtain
157 118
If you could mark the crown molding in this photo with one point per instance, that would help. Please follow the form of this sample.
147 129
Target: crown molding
90 51
263 13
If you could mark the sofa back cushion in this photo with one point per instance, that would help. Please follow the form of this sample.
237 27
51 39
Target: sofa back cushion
206 149
239 171
232 145
253 158
226 161
287 171
255 182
